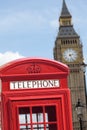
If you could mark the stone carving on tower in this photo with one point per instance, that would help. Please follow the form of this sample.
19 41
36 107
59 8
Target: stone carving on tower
69 50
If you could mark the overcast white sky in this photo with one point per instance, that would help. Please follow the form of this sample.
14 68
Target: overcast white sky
28 28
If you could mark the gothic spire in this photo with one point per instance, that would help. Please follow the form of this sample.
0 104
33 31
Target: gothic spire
65 12
66 28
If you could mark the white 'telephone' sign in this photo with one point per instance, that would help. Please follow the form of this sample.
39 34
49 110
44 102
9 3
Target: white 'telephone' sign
34 84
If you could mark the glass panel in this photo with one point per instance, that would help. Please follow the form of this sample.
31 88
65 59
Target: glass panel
51 113
37 114
47 126
52 127
24 116
25 127
38 127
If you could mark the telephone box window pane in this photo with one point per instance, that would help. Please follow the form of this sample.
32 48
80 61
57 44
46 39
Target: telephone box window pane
37 114
51 113
25 127
38 127
24 115
52 127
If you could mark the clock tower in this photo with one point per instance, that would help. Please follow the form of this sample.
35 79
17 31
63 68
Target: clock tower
69 50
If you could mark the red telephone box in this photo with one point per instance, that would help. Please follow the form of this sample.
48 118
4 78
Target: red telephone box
35 95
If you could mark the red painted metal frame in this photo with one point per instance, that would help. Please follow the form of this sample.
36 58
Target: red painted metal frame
34 69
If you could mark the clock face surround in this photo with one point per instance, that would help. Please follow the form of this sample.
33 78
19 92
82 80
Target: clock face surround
70 55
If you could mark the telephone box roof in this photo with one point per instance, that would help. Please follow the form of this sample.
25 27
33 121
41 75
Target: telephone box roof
27 65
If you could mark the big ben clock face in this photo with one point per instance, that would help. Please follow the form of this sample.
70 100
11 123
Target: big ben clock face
70 55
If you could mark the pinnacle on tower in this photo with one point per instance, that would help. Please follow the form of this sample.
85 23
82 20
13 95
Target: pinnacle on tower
65 23
65 12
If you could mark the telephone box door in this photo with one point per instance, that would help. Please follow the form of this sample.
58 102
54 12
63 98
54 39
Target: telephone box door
37 115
